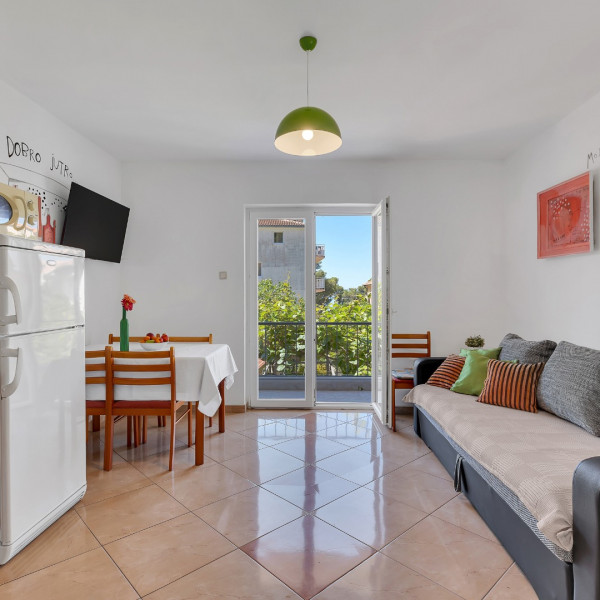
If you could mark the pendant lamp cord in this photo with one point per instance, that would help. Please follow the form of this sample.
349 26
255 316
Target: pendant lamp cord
307 53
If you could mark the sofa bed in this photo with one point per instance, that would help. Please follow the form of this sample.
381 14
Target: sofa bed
532 471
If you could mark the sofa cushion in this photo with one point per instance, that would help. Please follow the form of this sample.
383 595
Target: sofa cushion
447 373
515 347
473 375
570 386
489 352
510 385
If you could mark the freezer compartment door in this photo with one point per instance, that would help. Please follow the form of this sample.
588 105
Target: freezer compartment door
42 426
39 291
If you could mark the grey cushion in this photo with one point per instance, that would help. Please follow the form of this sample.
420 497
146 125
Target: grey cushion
515 347
570 386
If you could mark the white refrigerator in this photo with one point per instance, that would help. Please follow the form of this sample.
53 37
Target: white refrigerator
42 387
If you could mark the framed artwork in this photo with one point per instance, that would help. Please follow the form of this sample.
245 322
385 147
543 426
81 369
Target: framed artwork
565 218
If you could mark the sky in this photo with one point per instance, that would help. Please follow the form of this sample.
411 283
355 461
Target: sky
347 248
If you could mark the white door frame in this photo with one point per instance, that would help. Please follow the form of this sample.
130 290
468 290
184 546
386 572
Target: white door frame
380 284
308 212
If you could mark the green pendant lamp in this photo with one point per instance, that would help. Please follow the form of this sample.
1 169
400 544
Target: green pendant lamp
308 131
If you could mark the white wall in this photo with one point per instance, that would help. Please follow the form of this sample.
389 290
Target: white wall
556 298
187 224
23 120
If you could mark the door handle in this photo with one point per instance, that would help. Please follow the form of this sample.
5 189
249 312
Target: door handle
10 388
8 284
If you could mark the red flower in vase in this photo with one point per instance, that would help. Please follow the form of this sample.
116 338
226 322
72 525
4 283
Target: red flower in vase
127 302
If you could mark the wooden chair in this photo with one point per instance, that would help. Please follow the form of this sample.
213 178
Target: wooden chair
115 338
412 345
161 363
97 408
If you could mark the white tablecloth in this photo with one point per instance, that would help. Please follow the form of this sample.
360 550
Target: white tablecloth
199 369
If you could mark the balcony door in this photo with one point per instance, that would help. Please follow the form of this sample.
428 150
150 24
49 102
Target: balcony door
280 291
309 339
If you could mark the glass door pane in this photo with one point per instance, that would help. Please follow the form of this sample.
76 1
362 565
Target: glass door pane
343 269
282 294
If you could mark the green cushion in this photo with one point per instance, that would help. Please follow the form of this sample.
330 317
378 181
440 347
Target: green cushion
489 352
472 377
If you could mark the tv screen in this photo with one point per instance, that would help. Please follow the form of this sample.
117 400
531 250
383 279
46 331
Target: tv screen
95 224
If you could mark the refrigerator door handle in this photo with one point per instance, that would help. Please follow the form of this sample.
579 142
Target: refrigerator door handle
10 388
8 284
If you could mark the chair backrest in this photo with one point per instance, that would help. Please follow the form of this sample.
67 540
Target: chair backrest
206 339
139 373
95 367
411 345
115 338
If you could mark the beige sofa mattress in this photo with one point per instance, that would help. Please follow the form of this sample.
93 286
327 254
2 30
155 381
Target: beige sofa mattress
533 454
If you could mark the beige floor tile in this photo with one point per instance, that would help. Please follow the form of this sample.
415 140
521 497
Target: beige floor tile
197 487
455 558
162 554
358 467
313 421
128 513
64 539
273 432
245 516
381 578
263 465
404 420
370 517
252 419
350 434
309 488
225 446
307 554
311 448
233 577
92 576
430 464
158 440
101 484
512 586
402 447
415 488
156 466
461 513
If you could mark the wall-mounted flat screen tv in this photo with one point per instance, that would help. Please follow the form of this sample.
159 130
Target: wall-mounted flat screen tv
95 223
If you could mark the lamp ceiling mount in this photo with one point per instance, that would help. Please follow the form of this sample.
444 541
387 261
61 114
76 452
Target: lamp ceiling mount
308 43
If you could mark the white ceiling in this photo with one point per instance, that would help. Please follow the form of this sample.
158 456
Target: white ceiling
211 79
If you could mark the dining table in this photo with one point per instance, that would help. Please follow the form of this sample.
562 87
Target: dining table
203 372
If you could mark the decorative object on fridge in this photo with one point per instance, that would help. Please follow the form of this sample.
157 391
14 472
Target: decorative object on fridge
565 218
474 341
127 303
308 130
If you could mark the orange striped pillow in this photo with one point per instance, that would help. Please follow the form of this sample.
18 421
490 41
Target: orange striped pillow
447 373
511 385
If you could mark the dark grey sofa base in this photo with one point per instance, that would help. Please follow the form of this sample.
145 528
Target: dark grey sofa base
551 578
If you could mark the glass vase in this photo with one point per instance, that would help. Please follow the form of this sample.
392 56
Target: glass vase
124 333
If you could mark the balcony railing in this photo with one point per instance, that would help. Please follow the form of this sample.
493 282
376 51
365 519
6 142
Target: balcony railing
319 284
343 348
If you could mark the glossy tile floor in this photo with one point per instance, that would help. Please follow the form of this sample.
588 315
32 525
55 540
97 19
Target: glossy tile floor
289 504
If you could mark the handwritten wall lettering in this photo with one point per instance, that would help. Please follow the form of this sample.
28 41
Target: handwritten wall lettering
61 167
593 158
24 151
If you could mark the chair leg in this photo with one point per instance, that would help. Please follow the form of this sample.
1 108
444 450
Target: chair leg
172 446
144 429
129 425
136 432
210 421
109 424
191 407
222 407
199 455
393 407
